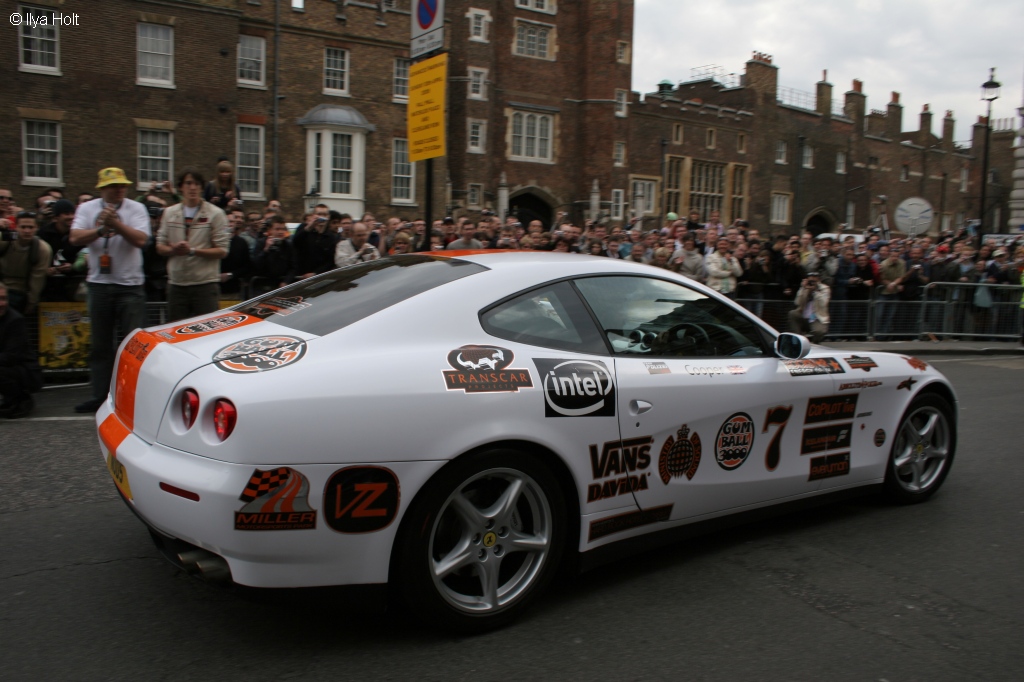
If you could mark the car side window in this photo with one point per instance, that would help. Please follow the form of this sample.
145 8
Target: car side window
655 317
551 316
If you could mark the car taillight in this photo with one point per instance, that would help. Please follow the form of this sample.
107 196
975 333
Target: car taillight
189 407
224 417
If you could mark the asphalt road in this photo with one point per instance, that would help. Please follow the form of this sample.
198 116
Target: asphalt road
854 591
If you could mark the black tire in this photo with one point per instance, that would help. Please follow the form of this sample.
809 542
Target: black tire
515 548
922 453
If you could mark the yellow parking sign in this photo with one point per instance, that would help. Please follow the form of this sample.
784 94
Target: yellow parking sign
428 82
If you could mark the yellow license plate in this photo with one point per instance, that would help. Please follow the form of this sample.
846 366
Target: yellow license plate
120 476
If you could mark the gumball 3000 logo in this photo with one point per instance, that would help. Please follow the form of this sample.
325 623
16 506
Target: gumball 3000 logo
260 354
735 440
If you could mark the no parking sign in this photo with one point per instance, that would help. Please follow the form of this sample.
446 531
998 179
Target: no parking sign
427 26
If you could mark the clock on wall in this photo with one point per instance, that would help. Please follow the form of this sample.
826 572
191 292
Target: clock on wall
914 215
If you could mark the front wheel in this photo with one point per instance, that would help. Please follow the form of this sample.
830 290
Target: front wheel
922 451
481 541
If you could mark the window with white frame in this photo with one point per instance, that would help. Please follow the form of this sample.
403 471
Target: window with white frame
780 208
252 60
400 83
155 55
709 138
476 130
41 151
707 186
674 183
335 71
532 137
39 48
645 191
619 154
533 40
299 5
618 197
156 156
851 215
677 133
547 6
741 143
841 162
403 173
474 196
479 25
336 163
477 83
739 192
340 163
808 156
621 103
622 55
963 179
781 150
249 160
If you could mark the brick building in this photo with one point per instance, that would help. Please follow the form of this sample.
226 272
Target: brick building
542 118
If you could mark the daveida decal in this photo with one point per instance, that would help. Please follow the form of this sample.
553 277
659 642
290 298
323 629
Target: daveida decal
276 499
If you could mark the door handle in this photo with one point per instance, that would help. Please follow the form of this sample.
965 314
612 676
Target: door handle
639 406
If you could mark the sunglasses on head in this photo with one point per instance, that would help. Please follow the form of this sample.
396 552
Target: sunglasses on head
26 214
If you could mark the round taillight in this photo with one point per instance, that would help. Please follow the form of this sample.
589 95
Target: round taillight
189 407
224 417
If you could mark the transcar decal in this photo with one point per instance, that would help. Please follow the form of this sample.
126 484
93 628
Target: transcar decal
576 388
276 499
776 416
858 362
829 466
915 363
361 499
260 354
657 368
629 520
907 384
858 385
879 438
830 408
822 438
279 305
734 441
484 369
679 457
809 366
626 460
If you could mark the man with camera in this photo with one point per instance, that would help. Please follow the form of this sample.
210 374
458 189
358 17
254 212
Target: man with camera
810 316
194 238
61 283
274 263
357 249
315 245
24 262
723 269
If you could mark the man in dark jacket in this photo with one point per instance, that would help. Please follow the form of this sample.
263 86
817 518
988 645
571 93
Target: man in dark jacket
19 372
275 259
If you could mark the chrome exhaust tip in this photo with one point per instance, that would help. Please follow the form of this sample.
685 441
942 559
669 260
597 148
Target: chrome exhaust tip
214 568
190 558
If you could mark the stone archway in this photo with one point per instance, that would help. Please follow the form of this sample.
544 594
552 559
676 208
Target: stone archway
820 220
530 204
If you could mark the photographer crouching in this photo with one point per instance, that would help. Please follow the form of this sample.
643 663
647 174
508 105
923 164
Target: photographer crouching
810 316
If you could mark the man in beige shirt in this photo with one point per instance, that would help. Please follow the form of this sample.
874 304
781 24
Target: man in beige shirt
194 237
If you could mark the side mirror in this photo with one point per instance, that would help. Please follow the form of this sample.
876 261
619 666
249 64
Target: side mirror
792 346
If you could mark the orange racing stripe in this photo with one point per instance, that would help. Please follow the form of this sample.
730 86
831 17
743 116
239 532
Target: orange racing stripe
113 433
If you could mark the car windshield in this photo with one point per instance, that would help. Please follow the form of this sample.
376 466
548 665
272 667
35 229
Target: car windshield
325 304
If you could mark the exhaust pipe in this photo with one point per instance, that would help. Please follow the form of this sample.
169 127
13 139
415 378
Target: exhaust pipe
189 559
208 565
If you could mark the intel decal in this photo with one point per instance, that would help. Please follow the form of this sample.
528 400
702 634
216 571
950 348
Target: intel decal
577 388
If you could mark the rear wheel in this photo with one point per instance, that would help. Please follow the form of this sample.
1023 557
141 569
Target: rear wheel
922 450
481 541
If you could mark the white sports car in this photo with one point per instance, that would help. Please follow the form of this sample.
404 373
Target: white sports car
461 426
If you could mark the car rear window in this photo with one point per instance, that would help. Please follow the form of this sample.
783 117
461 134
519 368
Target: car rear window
325 304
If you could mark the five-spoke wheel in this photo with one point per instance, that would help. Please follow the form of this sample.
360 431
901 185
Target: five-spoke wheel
922 450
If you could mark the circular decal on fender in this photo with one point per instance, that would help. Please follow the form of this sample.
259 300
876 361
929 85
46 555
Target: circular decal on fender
260 354
879 438
361 499
734 441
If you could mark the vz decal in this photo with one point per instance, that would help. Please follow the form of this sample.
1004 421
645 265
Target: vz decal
361 499
777 416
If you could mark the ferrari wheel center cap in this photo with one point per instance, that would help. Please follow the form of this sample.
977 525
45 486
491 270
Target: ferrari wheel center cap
490 539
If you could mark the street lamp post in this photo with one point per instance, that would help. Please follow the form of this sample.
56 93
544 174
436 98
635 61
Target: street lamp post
989 93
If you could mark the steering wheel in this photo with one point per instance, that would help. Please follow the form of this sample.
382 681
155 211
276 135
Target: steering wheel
687 338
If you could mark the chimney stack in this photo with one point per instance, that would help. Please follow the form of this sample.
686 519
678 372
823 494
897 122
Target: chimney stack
894 118
924 131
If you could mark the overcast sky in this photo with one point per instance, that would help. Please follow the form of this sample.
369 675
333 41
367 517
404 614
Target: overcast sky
931 51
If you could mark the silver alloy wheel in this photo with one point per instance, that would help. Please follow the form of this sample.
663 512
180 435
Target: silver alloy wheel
490 540
922 449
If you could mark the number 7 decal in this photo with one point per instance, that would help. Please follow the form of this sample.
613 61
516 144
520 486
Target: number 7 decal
777 416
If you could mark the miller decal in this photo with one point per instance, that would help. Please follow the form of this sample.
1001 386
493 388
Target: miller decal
734 441
822 438
829 466
830 408
679 457
858 362
633 519
361 499
484 369
626 461
276 499
260 354
809 366
576 388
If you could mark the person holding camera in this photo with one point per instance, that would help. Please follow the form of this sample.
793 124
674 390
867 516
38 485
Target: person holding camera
357 249
810 316
194 238
315 245
723 269
223 191
274 263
